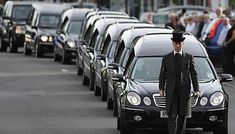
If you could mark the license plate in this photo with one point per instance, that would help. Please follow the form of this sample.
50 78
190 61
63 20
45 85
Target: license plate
163 114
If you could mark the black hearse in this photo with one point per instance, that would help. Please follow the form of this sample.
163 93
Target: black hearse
41 27
14 18
139 102
109 46
125 43
67 34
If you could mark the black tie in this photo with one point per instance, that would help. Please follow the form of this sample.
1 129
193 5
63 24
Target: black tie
177 56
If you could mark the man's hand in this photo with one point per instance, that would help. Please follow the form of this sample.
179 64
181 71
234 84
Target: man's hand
197 94
162 93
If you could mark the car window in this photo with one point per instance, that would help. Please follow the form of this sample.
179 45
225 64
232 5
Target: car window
94 39
49 21
111 50
119 52
75 27
147 69
160 19
21 12
106 45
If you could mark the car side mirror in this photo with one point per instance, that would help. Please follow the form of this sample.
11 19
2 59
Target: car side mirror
100 57
6 17
34 27
113 66
90 49
225 77
118 78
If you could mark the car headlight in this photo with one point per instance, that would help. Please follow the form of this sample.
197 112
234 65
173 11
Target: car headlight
44 38
203 101
18 30
133 98
217 98
71 44
50 39
147 101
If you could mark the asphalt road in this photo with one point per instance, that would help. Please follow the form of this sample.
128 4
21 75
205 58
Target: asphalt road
40 96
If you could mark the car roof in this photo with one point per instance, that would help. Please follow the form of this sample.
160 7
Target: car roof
161 44
130 34
114 30
19 2
200 8
101 24
51 8
76 13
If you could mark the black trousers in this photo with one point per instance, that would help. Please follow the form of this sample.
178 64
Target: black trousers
176 122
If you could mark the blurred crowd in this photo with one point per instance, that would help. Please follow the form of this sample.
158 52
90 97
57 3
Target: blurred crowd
198 24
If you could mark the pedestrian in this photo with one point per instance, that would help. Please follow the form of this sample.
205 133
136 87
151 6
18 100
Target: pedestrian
224 31
229 47
207 22
191 26
174 23
201 23
177 72
219 12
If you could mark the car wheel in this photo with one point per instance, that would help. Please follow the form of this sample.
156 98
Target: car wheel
115 107
65 58
103 91
92 79
79 69
38 51
118 123
27 51
12 46
96 89
85 79
109 102
124 128
56 56
3 46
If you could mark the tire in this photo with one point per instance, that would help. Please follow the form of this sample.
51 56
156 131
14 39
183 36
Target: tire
92 82
103 91
27 51
115 111
56 56
3 46
85 79
97 89
118 123
79 69
12 46
125 129
65 58
38 51
109 103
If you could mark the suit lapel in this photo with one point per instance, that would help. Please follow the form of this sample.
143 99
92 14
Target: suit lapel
172 62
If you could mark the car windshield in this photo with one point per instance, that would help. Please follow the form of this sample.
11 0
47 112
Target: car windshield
147 69
21 11
75 27
160 19
49 21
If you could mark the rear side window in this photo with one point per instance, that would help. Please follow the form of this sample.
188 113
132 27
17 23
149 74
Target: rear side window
21 12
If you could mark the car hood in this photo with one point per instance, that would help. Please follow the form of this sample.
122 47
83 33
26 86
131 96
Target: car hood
148 89
49 32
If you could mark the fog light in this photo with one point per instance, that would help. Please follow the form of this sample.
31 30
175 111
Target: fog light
213 118
137 118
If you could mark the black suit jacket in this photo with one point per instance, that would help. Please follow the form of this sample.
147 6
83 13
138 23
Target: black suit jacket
167 81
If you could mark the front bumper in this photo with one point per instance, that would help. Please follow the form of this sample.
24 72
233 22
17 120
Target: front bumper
46 46
71 52
19 39
151 118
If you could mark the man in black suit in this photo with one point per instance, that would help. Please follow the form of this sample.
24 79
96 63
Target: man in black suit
177 72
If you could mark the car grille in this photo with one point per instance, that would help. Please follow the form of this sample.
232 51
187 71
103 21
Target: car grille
161 101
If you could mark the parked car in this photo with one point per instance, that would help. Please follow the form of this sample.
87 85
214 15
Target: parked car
86 33
95 45
41 27
109 46
67 34
14 18
125 44
139 101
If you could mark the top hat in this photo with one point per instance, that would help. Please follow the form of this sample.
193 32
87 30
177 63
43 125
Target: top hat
177 36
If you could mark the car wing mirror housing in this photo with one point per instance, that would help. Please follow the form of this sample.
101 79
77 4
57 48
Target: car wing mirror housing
118 78
113 66
100 57
225 77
